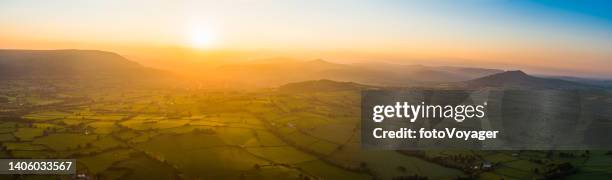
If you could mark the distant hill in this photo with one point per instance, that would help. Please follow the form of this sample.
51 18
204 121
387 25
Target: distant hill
322 86
277 71
269 72
431 73
503 80
607 83
67 64
470 73
521 80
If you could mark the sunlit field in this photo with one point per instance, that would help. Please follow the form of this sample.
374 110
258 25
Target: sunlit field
286 133
269 89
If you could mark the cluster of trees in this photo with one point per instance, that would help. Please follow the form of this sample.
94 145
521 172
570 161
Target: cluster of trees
558 171
204 130
4 99
463 162
572 155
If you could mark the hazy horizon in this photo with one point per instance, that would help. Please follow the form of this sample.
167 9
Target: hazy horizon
305 90
543 37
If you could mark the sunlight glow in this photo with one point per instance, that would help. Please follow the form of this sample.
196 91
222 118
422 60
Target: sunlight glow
201 38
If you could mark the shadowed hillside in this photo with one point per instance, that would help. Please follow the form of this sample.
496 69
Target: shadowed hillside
323 85
519 79
15 64
274 72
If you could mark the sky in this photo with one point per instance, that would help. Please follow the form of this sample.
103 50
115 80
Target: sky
548 37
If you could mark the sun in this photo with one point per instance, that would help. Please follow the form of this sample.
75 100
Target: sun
201 38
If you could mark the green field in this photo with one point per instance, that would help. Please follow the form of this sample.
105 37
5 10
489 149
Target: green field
263 134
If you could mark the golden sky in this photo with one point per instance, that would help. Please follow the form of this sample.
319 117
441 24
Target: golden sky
552 38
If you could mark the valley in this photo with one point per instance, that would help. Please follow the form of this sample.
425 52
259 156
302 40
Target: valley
257 134
143 126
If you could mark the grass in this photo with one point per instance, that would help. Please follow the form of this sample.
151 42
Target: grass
126 135
42 154
27 134
103 127
164 130
37 101
46 126
265 138
183 141
144 137
7 137
386 163
107 142
23 146
165 124
499 157
338 133
325 171
323 147
74 121
200 155
207 123
140 124
596 167
271 172
65 141
98 163
46 115
143 167
283 154
7 130
235 136
5 125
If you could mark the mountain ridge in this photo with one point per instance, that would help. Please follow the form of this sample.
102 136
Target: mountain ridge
67 63
277 71
517 79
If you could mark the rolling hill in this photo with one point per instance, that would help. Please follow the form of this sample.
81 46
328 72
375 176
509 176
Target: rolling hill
521 80
590 81
86 64
276 72
45 64
323 85
506 80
